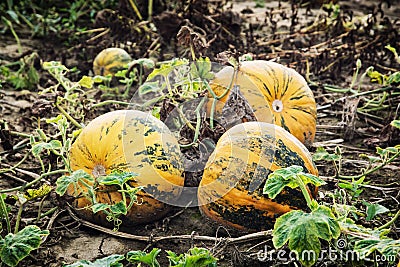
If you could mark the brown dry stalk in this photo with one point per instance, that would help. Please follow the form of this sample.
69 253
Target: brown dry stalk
156 239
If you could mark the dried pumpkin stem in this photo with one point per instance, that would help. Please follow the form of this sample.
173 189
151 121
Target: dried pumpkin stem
98 170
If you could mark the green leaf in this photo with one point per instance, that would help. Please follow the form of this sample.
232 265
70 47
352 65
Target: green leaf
274 185
109 261
49 65
86 82
322 154
15 247
148 87
383 152
56 119
100 79
303 230
167 67
174 258
374 209
100 207
117 178
371 159
119 208
13 15
33 76
281 178
395 123
139 256
201 68
195 257
156 112
39 147
311 179
394 78
353 186
79 176
145 62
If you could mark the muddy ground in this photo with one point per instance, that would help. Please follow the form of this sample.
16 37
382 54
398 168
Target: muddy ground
303 36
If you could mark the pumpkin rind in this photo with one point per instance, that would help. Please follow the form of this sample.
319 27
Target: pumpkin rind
131 141
230 191
110 61
277 94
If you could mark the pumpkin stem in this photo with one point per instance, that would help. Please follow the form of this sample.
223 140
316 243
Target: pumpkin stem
99 170
305 192
277 105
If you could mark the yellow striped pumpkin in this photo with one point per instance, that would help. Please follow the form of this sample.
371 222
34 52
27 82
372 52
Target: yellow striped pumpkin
277 94
110 61
131 141
230 191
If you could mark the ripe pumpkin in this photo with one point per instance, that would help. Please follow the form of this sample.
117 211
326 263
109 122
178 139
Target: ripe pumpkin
131 141
277 94
110 61
231 189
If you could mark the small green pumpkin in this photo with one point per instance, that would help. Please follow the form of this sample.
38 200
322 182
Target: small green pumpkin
231 189
110 61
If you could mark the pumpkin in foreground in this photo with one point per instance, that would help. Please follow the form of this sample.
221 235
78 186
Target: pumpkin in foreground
128 141
277 94
231 189
110 61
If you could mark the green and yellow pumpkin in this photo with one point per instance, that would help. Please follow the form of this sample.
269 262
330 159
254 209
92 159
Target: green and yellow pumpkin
110 61
277 94
231 189
128 141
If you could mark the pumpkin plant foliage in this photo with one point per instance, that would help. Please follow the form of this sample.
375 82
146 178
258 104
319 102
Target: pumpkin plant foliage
374 209
195 257
76 178
301 230
368 241
120 179
109 261
15 247
139 256
289 177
